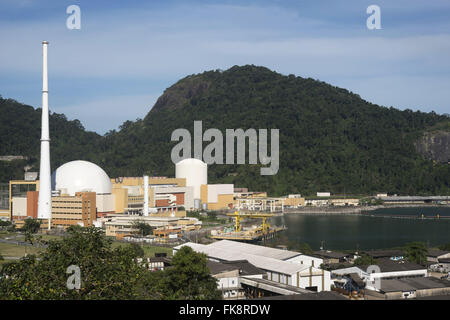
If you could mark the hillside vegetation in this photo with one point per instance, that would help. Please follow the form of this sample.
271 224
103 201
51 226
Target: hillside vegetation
330 139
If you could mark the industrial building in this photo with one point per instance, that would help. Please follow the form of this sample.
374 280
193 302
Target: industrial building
71 182
121 226
259 204
229 276
414 199
438 260
129 194
195 172
412 288
333 257
281 266
80 192
294 201
19 193
217 196
79 209
389 269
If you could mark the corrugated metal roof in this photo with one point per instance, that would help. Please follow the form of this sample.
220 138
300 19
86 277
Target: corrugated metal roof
436 252
410 284
278 254
388 265
265 263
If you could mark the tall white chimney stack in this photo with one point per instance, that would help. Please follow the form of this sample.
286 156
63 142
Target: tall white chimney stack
45 193
145 196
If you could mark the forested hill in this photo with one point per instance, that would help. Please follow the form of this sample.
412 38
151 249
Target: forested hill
20 134
330 139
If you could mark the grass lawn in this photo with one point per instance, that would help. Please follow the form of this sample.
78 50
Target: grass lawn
13 250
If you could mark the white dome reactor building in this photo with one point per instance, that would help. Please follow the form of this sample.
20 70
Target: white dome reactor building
81 176
195 172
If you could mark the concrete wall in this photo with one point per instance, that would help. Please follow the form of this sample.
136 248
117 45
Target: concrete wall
311 277
417 293
184 194
224 200
32 203
105 202
120 199
307 260
217 196
214 190
294 202
19 207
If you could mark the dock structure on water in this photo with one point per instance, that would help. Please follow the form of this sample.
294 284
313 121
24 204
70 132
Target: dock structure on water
262 232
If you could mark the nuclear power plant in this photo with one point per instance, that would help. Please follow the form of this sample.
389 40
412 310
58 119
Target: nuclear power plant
81 193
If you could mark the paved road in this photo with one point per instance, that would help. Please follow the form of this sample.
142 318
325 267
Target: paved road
22 243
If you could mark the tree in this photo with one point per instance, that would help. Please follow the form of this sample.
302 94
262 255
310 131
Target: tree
189 277
137 249
5 223
142 228
416 252
302 247
365 260
445 247
31 225
106 273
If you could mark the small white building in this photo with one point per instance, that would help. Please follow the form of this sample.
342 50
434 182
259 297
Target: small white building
228 275
323 194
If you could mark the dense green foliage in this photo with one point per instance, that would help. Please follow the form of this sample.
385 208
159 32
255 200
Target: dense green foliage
189 277
282 240
4 223
416 252
330 139
142 228
365 260
105 273
20 132
31 225
445 247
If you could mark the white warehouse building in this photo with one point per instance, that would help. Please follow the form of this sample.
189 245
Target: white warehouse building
281 266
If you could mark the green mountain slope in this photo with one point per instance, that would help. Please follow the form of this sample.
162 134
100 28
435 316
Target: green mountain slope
20 132
330 139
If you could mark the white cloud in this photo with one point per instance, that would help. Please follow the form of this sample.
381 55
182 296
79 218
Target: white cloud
155 44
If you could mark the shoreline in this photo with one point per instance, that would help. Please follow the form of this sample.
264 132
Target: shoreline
353 210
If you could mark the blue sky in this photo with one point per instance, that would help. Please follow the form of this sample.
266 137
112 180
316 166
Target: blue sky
127 52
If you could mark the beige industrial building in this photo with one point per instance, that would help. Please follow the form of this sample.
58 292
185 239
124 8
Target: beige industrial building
217 196
120 226
344 202
294 201
74 210
260 204
166 195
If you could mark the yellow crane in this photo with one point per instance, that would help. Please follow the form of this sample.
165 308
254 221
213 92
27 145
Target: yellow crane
238 216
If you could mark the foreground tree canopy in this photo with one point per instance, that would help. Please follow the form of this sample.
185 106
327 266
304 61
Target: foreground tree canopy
105 272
